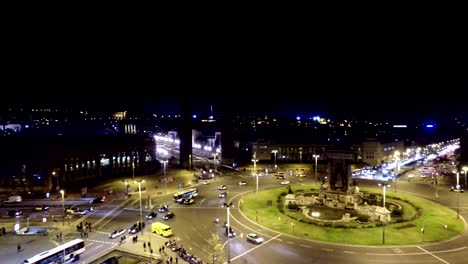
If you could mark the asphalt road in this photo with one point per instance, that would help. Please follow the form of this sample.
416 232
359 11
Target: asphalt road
193 226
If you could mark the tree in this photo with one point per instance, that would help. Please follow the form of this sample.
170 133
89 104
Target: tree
290 191
217 247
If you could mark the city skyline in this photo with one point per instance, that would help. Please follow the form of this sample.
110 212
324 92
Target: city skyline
359 98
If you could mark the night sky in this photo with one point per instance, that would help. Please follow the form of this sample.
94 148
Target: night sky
382 97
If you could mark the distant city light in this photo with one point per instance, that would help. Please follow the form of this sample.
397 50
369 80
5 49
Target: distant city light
194 116
429 126
210 117
316 118
404 126
298 118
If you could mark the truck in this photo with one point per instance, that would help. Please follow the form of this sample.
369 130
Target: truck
161 229
13 199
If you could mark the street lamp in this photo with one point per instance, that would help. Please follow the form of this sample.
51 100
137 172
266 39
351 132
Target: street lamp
422 228
384 186
214 160
465 170
165 179
316 157
190 162
256 184
139 192
133 170
274 152
228 227
62 192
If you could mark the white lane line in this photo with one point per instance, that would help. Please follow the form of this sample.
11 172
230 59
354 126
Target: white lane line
433 255
246 252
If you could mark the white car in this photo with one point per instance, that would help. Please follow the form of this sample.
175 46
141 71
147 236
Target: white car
117 233
222 187
254 238
285 182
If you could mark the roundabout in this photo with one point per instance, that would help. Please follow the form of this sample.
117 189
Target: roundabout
422 221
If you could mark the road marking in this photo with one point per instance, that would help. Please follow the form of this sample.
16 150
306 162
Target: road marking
252 249
326 249
433 255
349 252
307 246
398 251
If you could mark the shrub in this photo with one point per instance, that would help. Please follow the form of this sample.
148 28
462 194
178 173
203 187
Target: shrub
363 218
293 207
397 212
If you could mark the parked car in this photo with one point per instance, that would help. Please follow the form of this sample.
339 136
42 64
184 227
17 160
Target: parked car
117 233
168 216
254 238
285 182
242 183
222 195
222 187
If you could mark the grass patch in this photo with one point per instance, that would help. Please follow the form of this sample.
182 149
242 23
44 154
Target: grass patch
417 212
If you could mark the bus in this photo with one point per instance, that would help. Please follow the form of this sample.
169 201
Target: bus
70 250
185 194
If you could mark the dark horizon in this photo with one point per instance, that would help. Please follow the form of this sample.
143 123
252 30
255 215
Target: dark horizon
350 98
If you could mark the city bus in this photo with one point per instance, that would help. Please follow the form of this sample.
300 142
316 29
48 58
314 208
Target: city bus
185 194
70 250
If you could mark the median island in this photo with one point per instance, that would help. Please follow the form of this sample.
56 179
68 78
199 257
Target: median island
357 217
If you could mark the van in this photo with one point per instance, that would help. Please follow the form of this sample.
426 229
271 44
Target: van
161 229
14 199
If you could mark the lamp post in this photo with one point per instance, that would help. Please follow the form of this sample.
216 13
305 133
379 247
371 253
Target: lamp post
396 155
133 170
465 170
139 192
316 157
458 198
190 162
214 161
256 184
165 179
384 186
422 228
274 152
62 192
228 227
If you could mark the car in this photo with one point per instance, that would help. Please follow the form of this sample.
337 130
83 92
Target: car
14 213
117 233
222 195
168 216
205 182
280 177
284 182
187 201
77 211
135 228
242 183
254 238
151 215
163 208
457 190
99 199
41 208
222 187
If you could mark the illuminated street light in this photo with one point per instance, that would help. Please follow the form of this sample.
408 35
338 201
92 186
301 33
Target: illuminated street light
62 192
255 160
228 227
133 170
465 170
316 157
165 179
384 186
274 152
139 192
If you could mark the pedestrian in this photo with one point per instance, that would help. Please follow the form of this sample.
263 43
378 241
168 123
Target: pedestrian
176 260
170 259
149 244
19 247
151 250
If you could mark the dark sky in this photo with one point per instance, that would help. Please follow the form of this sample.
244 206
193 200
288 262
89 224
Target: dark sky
373 97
